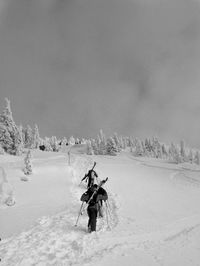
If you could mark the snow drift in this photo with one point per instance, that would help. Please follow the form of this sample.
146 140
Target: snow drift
151 218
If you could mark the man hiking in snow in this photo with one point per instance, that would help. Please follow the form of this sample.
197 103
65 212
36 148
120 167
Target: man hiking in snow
94 196
90 176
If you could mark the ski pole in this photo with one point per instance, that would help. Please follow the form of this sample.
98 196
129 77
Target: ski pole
107 216
80 212
108 205
108 209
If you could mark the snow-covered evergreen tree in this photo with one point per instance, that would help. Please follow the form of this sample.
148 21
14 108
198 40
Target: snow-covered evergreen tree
28 137
83 141
156 149
21 135
1 150
10 138
6 190
182 151
122 143
190 156
164 151
130 141
54 143
64 142
36 137
72 140
89 149
174 154
111 146
117 142
5 138
138 148
28 166
95 146
102 143
197 158
148 146
126 142
47 144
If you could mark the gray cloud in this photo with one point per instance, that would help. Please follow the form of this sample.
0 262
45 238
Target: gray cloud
74 67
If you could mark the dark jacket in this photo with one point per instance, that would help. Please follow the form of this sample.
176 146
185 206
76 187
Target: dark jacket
92 196
90 177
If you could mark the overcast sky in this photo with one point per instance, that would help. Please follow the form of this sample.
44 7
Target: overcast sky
127 66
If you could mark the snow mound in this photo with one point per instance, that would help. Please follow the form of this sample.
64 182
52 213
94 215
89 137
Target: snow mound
6 190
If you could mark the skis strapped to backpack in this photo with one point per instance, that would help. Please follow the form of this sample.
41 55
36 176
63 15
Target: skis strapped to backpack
86 175
102 182
94 166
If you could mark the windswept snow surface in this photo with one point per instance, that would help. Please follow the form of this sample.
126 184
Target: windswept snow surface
152 216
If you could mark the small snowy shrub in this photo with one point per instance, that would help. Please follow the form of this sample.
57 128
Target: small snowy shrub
28 167
1 150
24 178
6 191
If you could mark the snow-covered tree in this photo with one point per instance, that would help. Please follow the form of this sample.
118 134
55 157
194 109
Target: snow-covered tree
6 190
72 140
182 151
197 158
28 137
77 141
156 148
10 138
36 137
28 166
54 143
47 144
138 148
5 138
190 156
121 143
148 146
89 149
1 150
83 141
164 151
95 146
64 142
174 154
102 143
21 135
117 142
111 146
130 141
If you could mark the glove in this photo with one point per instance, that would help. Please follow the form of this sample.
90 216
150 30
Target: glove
100 197
84 197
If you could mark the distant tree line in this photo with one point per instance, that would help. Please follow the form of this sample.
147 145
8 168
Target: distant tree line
14 139
142 148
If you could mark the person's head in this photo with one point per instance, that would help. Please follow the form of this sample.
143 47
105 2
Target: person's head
92 174
94 187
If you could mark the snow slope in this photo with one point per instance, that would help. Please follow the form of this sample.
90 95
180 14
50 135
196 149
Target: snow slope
152 216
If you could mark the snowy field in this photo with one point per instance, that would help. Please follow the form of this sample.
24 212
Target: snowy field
152 216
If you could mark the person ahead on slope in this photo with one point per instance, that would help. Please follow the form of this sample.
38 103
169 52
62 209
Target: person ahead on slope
90 177
94 197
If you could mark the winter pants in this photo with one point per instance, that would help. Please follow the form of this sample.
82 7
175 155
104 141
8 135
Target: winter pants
90 182
92 213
